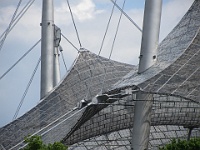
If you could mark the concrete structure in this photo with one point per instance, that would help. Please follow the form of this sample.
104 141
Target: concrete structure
106 121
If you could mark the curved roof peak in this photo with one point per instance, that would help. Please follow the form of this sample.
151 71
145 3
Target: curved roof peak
173 53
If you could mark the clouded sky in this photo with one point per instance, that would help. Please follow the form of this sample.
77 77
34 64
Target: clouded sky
91 17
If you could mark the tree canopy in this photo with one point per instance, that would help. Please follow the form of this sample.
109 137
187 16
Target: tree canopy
35 143
193 144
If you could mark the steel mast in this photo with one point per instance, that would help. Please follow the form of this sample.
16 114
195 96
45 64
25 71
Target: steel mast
150 35
47 48
56 64
148 56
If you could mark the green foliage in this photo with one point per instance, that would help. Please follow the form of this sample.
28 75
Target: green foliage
36 143
57 146
193 144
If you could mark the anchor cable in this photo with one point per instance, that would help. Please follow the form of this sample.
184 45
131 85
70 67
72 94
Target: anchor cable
74 23
70 42
63 59
102 47
107 28
117 30
112 46
19 60
9 26
18 17
26 91
126 16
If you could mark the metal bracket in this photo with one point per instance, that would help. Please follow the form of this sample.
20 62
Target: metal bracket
57 36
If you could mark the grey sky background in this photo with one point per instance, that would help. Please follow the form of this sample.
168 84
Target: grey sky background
91 17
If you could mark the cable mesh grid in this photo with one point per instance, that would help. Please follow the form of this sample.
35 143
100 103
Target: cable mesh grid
111 128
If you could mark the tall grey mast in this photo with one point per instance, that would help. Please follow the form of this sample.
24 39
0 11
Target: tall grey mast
150 36
47 48
148 56
57 47
56 67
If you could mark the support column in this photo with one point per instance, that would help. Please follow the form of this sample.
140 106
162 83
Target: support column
56 67
189 133
47 48
142 121
57 39
148 56
150 35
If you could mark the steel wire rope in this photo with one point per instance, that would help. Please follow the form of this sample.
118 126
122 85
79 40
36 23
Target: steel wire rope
112 46
117 30
131 20
74 23
80 44
156 101
70 42
63 59
19 59
3 148
103 41
26 90
44 127
19 16
7 30
107 28
43 133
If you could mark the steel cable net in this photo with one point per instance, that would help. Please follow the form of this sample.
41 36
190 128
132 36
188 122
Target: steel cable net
83 81
111 127
108 124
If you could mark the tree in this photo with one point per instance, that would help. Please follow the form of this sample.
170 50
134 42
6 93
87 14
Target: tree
35 143
193 144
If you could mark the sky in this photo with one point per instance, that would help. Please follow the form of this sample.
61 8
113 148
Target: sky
91 18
